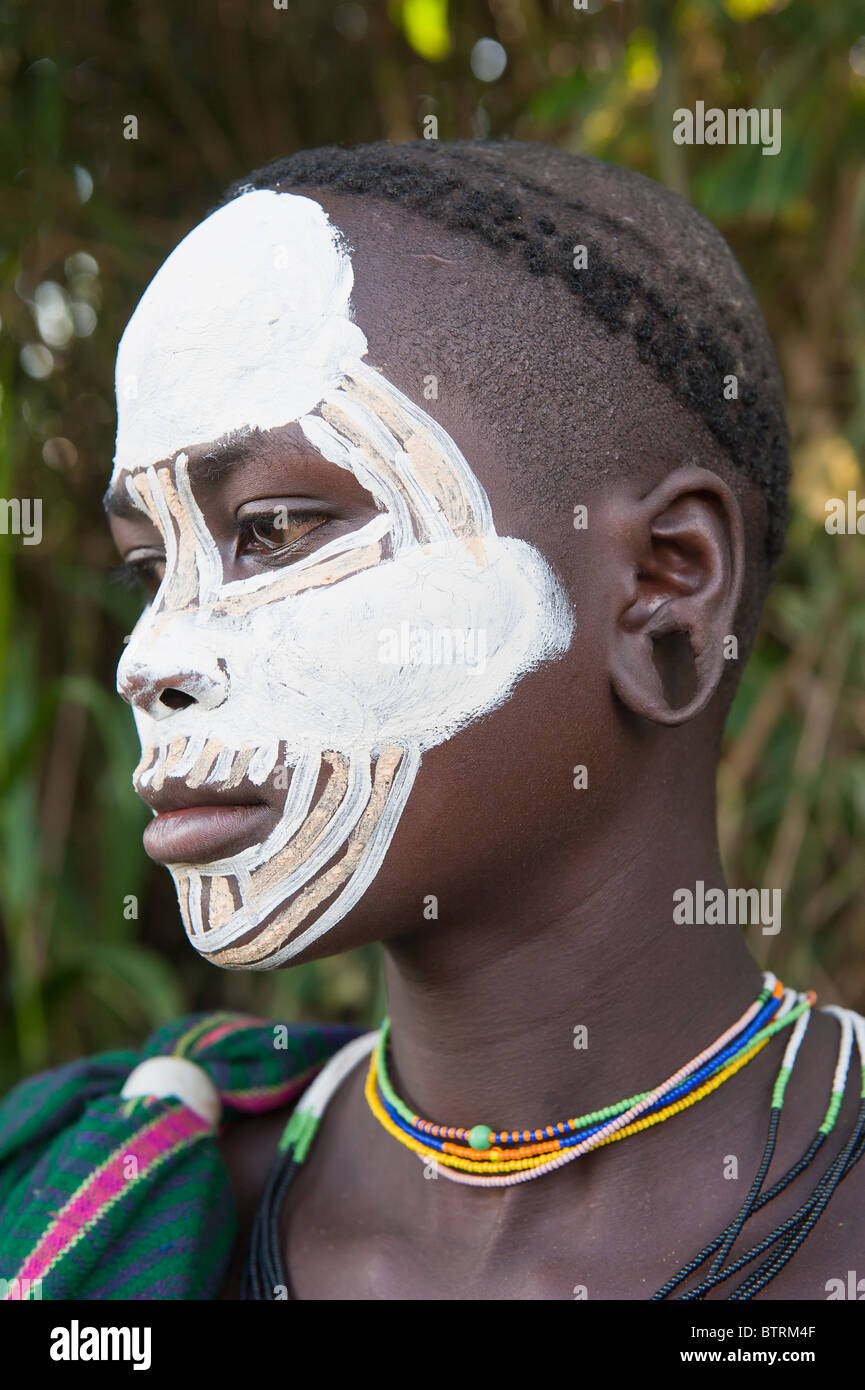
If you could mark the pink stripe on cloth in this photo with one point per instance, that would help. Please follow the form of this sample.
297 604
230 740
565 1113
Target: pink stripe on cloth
223 1030
102 1188
268 1098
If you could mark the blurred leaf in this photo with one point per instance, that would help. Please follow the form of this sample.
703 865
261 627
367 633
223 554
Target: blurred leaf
146 980
559 99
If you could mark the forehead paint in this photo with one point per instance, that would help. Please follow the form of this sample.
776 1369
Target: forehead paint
246 323
249 324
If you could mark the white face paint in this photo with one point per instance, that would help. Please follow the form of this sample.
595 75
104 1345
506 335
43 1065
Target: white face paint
320 664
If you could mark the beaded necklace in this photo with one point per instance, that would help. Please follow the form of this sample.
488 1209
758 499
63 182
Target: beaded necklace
479 1157
774 1008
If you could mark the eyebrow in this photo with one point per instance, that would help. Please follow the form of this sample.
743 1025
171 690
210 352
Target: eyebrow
118 503
231 449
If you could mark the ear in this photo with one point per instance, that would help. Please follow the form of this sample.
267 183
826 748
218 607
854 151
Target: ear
681 553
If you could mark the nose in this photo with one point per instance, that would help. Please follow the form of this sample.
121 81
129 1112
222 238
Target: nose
159 692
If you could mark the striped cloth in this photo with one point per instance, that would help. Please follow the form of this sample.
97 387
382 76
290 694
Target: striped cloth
106 1198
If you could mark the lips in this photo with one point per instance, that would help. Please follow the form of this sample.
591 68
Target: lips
188 828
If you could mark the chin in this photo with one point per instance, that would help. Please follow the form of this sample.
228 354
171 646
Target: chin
364 926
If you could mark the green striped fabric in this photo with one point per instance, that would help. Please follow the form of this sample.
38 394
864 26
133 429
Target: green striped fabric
106 1198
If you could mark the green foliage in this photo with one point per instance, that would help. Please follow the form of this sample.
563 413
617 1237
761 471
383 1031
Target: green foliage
219 89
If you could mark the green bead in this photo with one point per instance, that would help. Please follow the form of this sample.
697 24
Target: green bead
480 1137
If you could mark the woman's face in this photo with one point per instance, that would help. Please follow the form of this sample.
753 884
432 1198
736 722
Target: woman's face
329 597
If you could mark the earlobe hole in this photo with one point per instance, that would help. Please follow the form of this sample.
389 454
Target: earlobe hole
674 662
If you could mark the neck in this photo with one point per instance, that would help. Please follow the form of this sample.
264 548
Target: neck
484 1008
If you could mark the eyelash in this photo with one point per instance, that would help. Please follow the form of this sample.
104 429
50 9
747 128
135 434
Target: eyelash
247 524
133 574
140 574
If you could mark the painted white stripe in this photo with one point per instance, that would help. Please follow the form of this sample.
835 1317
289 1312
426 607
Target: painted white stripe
207 553
166 526
372 531
297 803
345 818
305 669
367 869
195 903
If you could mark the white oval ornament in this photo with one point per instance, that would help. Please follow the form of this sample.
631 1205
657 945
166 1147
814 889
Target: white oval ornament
175 1076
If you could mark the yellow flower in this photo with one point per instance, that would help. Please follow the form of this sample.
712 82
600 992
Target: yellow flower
425 25
642 68
751 9
824 467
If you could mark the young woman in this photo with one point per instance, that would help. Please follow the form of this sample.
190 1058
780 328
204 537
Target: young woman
455 476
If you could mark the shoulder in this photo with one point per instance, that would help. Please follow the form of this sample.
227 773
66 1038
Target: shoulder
66 1136
249 1150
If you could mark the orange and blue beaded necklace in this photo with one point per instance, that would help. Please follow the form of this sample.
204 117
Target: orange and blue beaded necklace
774 1009
478 1156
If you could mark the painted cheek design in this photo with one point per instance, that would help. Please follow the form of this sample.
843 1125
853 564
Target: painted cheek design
337 671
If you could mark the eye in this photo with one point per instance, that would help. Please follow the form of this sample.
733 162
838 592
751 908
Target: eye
276 531
145 573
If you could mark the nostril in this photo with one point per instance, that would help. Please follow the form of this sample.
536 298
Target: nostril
160 693
176 699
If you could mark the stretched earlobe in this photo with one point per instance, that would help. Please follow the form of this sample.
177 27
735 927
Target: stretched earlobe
684 561
642 686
